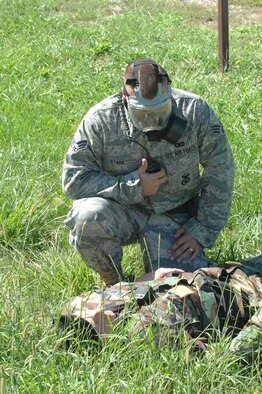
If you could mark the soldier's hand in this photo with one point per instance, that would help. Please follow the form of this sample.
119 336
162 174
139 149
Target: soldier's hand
151 182
162 273
159 274
185 247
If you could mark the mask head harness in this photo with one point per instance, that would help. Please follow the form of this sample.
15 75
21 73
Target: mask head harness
134 81
153 117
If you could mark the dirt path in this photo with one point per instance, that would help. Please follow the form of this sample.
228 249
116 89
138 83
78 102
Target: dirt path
238 14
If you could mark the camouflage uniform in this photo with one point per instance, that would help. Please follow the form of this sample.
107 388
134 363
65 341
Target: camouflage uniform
201 305
101 175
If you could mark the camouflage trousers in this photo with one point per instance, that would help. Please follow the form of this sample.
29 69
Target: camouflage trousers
99 228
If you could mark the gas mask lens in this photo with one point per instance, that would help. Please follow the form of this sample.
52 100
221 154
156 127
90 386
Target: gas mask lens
150 118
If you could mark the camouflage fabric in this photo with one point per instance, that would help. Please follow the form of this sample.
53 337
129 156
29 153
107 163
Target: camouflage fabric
100 227
103 161
200 304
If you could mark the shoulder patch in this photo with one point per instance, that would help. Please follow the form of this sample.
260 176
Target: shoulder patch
76 146
216 128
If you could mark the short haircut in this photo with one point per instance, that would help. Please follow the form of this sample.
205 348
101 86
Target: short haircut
147 78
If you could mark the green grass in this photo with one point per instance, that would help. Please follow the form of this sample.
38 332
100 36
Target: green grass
58 58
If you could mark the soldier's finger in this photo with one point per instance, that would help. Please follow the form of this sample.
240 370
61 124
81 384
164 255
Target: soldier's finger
194 254
196 249
143 167
180 253
179 242
162 172
179 232
164 179
158 175
167 271
185 256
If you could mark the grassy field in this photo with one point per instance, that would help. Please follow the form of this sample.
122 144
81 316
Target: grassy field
58 58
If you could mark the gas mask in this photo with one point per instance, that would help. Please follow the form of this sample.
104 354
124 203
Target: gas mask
154 117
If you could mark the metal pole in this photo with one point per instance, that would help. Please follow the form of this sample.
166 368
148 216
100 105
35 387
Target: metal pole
223 35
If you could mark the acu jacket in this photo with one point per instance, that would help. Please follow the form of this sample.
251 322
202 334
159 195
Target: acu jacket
107 149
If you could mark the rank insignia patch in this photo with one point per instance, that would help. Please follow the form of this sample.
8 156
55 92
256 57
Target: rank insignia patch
217 128
76 146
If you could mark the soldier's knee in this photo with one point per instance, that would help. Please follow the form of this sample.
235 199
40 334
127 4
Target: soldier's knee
93 210
93 218
89 210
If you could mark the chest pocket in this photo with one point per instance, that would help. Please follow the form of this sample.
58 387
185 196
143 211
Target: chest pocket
182 167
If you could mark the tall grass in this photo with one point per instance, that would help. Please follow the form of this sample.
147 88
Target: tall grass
57 59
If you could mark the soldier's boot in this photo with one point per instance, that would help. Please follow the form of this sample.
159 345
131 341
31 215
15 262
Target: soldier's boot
108 268
111 277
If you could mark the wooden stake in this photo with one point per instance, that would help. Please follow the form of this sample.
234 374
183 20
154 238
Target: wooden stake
223 35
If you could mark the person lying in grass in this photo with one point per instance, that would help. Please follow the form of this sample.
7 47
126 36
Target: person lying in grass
161 305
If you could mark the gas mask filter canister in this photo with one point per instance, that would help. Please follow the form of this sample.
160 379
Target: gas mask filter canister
150 114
